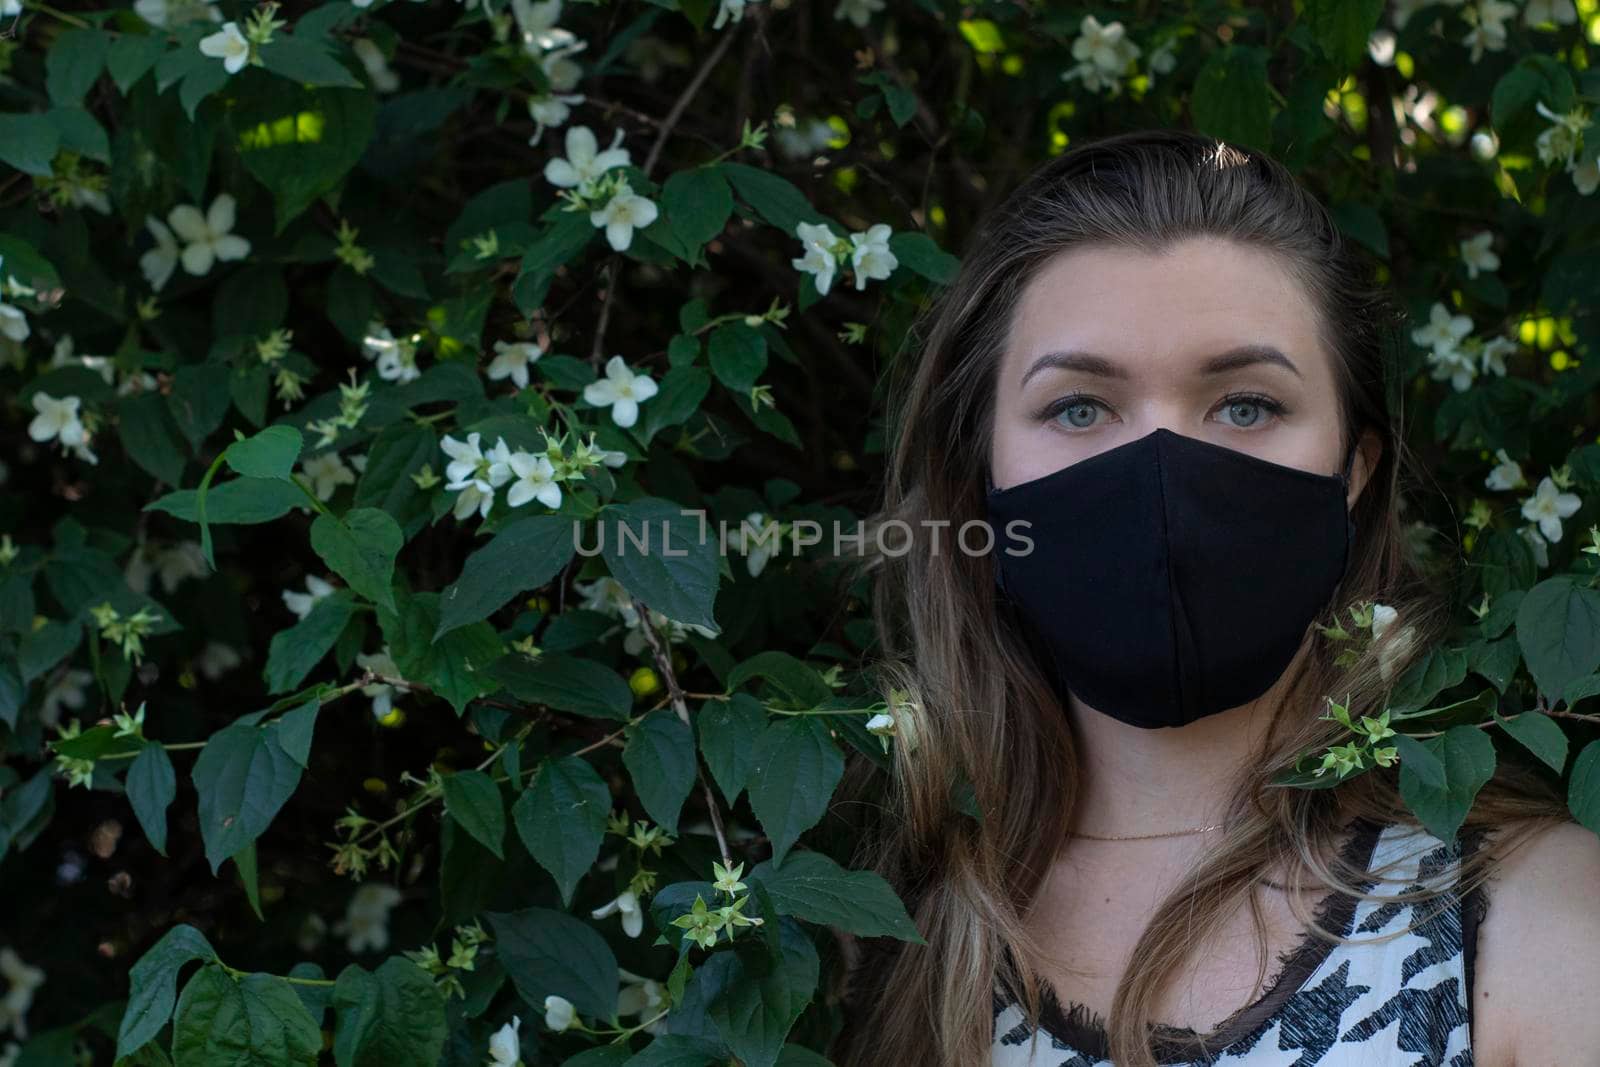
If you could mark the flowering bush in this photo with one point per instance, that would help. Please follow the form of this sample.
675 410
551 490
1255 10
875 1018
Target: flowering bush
322 738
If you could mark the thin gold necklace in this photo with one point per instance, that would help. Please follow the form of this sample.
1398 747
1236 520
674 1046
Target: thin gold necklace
1136 837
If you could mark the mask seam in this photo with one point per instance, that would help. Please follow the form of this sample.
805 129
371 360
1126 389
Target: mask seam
1166 561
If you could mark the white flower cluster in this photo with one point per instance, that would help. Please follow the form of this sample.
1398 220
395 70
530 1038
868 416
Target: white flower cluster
174 563
207 239
13 321
1103 53
1544 510
584 171
166 13
382 694
1457 356
65 355
867 251
554 48
1564 143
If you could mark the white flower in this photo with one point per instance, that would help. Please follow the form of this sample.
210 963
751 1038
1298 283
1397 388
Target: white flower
229 46
1548 506
730 9
512 359
10 9
820 258
475 475
1586 175
217 659
859 12
158 264
209 237
1539 12
1164 60
66 690
625 210
302 603
1541 547
806 140
535 480
537 24
57 419
870 256
881 724
175 563
504 1047
396 356
1560 141
1103 52
9 1054
1444 331
638 995
1488 20
623 390
1477 255
584 163
609 597
1494 355
1454 364
632 915
767 538
558 1012
327 472
22 980
382 693
550 110
376 64
166 13
1391 651
13 323
1506 475
559 69
366 919
673 631
1382 617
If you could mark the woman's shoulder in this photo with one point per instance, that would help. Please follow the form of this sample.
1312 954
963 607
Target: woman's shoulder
1538 960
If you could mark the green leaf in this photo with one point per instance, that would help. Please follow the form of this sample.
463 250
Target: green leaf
566 683
151 439
300 143
1558 627
797 767
659 755
561 818
1495 660
393 1017
1420 759
774 198
153 985
1232 99
1341 28
661 558
305 62
1363 224
269 454
794 678
1539 734
1583 791
1536 78
199 400
754 1011
473 799
697 204
295 729
28 143
812 887
254 1020
293 652
681 392
243 501
546 951
1469 760
75 60
524 555
243 776
729 730
738 356
1437 670
245 861
361 548
131 56
920 253
457 665
152 785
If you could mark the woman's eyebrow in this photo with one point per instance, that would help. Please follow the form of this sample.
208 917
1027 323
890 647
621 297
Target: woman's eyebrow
1222 363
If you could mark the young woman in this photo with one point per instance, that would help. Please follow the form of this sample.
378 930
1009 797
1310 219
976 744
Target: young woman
1162 359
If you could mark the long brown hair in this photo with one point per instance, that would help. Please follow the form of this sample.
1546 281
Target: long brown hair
984 718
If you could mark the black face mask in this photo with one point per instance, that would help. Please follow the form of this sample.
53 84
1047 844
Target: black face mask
1170 578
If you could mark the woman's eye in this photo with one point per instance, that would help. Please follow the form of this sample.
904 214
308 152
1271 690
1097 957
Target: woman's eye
1078 414
1246 413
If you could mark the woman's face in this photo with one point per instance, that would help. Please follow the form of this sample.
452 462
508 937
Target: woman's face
1210 338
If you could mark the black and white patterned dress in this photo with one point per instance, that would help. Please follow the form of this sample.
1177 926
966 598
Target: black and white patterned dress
1405 1002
